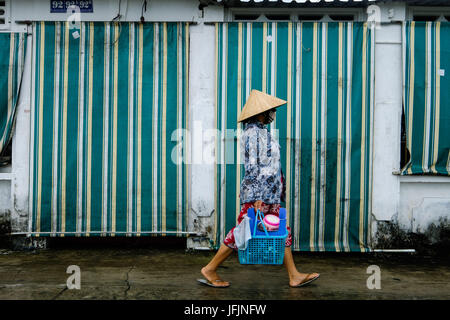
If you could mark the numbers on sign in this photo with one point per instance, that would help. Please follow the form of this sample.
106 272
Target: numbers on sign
62 5
85 4
57 5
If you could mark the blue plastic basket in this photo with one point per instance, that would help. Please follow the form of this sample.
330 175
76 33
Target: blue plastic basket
265 247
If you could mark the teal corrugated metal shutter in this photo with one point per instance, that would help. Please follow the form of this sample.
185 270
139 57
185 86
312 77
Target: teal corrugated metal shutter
323 70
12 58
427 97
105 156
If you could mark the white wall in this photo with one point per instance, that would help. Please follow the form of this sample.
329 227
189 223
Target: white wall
21 150
202 116
106 10
413 203
5 197
387 120
424 204
387 116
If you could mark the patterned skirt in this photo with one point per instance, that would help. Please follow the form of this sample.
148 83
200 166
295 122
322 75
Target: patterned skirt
265 209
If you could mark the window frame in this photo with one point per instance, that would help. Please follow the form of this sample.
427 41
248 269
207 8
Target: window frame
426 11
6 16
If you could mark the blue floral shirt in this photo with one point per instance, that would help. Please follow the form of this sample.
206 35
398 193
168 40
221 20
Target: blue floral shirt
263 178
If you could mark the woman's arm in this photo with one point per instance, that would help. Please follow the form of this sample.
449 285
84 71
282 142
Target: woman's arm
252 167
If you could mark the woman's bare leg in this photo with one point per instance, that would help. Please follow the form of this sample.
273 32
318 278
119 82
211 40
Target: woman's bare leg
295 277
209 271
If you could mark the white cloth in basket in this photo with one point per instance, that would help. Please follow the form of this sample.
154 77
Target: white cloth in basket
242 233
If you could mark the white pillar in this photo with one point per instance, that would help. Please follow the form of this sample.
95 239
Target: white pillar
201 115
387 114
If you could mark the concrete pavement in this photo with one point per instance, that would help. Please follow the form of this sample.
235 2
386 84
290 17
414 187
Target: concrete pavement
111 272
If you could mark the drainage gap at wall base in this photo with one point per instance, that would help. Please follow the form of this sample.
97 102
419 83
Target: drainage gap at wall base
434 240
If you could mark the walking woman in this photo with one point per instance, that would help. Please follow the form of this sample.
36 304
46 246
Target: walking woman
262 186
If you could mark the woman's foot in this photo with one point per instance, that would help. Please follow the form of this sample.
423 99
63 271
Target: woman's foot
213 277
299 279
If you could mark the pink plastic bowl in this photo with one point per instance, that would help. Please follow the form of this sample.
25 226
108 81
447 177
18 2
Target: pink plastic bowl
272 222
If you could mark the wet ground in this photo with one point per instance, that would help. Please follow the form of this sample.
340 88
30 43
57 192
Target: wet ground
155 272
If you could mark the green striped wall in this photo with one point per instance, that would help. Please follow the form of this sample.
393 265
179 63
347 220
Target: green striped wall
105 109
323 70
427 97
12 58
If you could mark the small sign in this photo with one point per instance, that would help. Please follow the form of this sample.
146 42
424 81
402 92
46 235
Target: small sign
60 6
442 72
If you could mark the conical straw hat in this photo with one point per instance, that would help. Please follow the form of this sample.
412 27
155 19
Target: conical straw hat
259 102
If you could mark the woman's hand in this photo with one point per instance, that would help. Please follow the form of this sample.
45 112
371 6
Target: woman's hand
257 205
